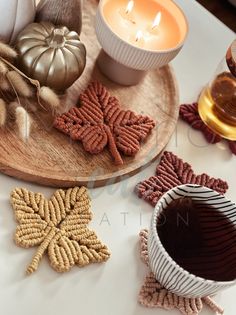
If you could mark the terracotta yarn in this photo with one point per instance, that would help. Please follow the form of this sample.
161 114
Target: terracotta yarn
189 113
173 171
152 294
58 227
101 122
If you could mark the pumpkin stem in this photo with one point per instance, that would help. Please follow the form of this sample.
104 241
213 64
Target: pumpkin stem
56 39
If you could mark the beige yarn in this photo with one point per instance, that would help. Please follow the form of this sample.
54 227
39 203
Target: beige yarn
144 246
152 294
57 226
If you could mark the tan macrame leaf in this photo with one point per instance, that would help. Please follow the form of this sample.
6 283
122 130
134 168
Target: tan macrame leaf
59 227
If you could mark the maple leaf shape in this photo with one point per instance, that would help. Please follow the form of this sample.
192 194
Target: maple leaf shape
189 113
153 294
59 227
100 121
171 172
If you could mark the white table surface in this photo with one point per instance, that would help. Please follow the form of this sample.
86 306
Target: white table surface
112 288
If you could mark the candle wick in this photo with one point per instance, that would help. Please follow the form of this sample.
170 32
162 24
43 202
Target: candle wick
154 27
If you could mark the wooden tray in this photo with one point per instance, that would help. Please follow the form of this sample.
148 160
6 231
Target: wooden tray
51 158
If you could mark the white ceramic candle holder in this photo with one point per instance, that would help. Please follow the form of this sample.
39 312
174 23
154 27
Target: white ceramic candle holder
125 63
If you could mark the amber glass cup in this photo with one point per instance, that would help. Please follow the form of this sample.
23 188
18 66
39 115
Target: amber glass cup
217 102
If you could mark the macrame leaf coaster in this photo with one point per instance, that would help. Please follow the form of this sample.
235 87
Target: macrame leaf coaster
153 295
100 122
171 172
189 113
58 227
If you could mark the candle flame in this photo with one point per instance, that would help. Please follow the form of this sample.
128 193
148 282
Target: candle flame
157 20
139 36
129 7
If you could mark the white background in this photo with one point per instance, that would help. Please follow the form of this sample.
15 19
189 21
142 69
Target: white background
112 288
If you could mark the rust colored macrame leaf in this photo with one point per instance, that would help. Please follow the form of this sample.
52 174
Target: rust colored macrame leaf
58 227
173 171
100 122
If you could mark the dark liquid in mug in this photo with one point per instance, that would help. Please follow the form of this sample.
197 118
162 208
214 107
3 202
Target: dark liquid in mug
200 238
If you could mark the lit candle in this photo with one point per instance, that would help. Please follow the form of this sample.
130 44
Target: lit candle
129 7
153 29
137 36
164 24
139 40
156 22
127 13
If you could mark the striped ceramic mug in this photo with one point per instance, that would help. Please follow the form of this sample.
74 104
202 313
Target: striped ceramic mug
171 275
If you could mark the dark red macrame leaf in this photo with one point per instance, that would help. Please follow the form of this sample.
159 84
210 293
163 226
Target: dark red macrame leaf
232 146
173 171
189 113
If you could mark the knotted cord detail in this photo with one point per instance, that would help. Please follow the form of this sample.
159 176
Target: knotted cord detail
173 171
189 113
58 227
152 294
100 122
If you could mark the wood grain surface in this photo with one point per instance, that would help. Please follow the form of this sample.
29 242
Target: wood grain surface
50 158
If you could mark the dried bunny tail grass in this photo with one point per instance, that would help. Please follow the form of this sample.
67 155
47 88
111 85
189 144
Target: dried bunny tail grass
5 85
7 52
3 68
31 107
3 112
20 86
29 104
23 122
12 106
50 97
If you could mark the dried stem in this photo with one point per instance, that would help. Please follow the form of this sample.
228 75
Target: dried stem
23 122
3 112
35 83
